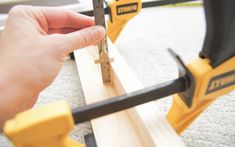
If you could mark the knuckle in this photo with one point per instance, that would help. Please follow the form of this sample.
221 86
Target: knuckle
16 10
85 38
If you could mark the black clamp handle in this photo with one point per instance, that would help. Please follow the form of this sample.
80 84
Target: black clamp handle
219 44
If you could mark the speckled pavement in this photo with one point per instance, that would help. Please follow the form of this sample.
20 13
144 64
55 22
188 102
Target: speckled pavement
144 45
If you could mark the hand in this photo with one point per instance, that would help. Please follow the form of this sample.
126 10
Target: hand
33 47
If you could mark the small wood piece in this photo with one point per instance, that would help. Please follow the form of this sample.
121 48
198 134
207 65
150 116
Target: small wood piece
139 126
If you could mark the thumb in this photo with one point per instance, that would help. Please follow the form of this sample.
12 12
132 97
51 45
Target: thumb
78 39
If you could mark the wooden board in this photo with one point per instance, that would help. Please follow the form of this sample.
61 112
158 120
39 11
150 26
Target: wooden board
139 126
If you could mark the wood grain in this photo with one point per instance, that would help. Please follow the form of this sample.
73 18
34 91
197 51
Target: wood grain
112 130
139 126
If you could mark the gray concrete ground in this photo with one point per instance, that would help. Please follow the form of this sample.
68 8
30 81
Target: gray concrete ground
144 45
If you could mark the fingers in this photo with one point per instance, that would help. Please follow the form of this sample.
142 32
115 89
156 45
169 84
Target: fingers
75 30
62 31
67 43
60 18
49 18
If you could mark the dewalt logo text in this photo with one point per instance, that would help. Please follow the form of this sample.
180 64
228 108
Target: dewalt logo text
221 81
126 9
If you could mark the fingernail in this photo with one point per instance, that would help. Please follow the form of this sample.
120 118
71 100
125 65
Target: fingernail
100 30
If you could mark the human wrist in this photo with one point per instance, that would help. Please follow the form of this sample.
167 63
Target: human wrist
14 95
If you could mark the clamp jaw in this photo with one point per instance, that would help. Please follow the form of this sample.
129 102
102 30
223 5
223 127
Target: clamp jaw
121 12
209 76
208 86
214 71
28 128
206 78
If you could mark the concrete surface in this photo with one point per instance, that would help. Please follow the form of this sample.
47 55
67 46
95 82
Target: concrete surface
144 45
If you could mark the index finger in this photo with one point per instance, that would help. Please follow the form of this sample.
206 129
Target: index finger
59 18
